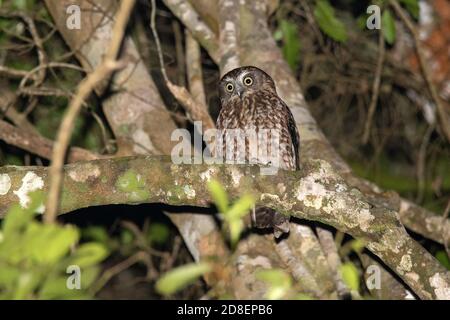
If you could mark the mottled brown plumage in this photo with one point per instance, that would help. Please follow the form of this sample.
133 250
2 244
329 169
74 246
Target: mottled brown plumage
249 101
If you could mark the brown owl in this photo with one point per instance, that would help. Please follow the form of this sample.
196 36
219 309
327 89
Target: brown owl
250 103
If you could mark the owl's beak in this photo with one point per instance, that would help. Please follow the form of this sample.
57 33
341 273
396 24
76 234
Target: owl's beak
240 91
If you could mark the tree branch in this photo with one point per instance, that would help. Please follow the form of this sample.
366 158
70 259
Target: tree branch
316 193
39 145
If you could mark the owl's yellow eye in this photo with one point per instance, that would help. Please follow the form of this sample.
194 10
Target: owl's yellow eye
229 87
248 81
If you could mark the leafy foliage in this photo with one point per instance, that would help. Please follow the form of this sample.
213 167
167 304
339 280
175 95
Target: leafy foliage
232 215
443 258
288 33
350 275
328 23
412 6
34 257
178 278
388 26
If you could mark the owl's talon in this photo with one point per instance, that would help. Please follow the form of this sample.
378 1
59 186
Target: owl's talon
265 218
279 230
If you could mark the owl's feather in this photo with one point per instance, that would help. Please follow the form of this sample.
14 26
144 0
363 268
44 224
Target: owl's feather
255 105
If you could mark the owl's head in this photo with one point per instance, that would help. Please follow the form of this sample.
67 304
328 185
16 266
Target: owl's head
243 81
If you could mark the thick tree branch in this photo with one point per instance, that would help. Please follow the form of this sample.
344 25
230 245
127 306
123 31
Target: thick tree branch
316 193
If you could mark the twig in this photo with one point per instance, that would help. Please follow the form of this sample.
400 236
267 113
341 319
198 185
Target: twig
37 41
35 143
118 268
104 70
194 110
444 119
8 99
39 68
43 91
375 87
13 73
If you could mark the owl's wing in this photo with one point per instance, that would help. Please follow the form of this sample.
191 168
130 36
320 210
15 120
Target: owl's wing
295 136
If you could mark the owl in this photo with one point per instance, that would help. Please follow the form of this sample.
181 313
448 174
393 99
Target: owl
252 111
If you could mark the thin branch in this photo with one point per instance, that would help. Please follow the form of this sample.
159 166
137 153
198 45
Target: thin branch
12 73
104 70
375 87
195 110
39 145
118 268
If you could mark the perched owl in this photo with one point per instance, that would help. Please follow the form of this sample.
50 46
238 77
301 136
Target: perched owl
249 102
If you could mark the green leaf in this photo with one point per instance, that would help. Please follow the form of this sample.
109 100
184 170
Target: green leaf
278 35
219 195
291 43
357 245
126 237
350 275
51 242
18 217
16 220
279 281
180 277
328 23
89 275
56 288
235 227
26 284
412 6
158 233
240 208
95 233
442 257
388 26
234 215
89 254
8 277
